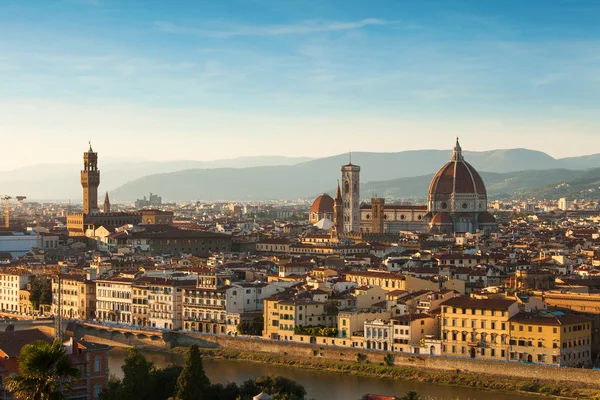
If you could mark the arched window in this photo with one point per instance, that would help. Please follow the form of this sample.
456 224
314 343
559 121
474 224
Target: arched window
346 187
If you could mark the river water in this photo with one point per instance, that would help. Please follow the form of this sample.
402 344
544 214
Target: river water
319 385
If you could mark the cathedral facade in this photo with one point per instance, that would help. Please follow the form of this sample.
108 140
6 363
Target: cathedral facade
456 203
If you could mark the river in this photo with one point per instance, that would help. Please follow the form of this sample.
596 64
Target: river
319 385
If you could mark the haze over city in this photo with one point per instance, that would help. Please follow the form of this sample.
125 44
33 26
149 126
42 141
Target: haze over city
214 80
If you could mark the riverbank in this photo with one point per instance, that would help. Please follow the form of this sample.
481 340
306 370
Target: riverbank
367 369
459 372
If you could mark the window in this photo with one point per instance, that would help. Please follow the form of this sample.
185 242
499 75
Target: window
97 390
97 363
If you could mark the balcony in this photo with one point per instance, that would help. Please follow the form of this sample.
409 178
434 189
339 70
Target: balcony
207 306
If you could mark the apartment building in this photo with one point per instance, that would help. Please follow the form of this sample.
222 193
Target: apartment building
114 299
477 328
285 311
165 302
205 306
411 330
553 338
139 300
77 296
11 282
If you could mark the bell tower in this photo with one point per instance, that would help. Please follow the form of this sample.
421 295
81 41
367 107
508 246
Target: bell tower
90 180
351 197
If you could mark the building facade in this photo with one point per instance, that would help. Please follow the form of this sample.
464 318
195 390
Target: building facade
477 328
77 297
11 283
553 338
114 300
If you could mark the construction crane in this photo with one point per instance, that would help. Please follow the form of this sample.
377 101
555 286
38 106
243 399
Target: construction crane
7 208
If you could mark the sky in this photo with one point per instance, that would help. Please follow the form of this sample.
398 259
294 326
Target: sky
207 79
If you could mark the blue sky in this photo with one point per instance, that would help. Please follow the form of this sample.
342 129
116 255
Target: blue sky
214 79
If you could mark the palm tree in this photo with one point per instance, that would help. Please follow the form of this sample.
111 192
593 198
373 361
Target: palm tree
45 372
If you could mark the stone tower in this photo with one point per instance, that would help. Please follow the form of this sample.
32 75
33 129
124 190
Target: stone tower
90 180
106 204
338 211
378 215
351 197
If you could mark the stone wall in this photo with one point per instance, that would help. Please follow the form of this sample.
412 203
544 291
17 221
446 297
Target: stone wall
246 344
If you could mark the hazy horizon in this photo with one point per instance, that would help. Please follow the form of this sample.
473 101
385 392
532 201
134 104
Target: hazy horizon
219 80
116 160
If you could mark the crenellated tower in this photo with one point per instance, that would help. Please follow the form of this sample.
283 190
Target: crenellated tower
90 180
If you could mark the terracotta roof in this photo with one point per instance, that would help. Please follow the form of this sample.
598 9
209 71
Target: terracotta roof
12 342
486 218
457 176
441 218
468 302
322 204
549 318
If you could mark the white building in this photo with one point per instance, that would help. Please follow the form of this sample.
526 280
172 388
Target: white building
10 284
564 204
19 243
165 302
114 299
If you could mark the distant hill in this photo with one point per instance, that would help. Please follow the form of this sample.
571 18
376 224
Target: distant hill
526 184
306 180
61 181
273 177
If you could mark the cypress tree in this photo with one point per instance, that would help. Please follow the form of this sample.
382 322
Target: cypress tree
193 384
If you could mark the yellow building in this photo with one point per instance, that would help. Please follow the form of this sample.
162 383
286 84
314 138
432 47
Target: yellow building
25 306
552 338
477 328
391 281
77 295
284 312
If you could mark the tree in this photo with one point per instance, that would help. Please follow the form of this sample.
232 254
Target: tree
411 395
193 384
331 308
141 380
164 382
40 292
251 328
45 372
277 386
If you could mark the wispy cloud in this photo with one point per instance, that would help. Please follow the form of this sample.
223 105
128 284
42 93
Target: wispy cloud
305 27
548 79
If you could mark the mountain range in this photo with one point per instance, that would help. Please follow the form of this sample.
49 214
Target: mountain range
404 174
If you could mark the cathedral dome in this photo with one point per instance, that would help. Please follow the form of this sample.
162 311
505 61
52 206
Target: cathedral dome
322 204
457 187
457 176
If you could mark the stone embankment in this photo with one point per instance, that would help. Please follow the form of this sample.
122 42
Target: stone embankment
168 340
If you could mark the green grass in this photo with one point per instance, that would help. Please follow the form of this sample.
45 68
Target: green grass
381 370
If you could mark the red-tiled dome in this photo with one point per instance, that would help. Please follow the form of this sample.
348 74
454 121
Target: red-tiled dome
323 204
457 176
441 218
486 218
